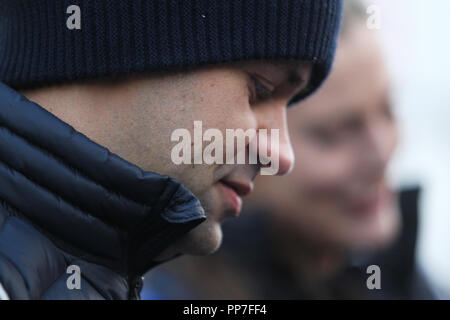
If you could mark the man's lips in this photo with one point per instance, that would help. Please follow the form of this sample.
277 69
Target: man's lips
241 188
233 191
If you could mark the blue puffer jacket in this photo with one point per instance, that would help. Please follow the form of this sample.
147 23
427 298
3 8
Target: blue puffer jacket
65 200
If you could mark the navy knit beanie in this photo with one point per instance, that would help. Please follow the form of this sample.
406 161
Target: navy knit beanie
119 37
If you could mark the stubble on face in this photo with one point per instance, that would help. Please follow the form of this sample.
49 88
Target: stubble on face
135 117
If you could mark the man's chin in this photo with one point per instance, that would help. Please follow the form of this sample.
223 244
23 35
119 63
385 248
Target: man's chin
202 240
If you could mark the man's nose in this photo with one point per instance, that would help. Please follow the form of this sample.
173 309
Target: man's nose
277 147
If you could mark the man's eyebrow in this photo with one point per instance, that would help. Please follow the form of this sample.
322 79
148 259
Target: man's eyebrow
290 68
291 71
294 78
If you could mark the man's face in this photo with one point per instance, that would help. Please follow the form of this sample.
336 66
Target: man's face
225 97
136 118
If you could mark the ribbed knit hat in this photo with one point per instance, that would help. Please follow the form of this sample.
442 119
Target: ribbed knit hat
119 37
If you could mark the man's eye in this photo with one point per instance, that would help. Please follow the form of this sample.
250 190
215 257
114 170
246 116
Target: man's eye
258 91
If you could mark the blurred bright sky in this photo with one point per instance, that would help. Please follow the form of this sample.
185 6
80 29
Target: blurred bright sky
416 37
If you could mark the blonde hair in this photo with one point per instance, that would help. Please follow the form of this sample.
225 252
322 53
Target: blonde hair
354 11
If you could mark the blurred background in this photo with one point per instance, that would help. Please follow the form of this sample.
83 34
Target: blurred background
413 36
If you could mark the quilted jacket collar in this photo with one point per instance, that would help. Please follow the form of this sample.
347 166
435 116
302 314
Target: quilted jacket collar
90 202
